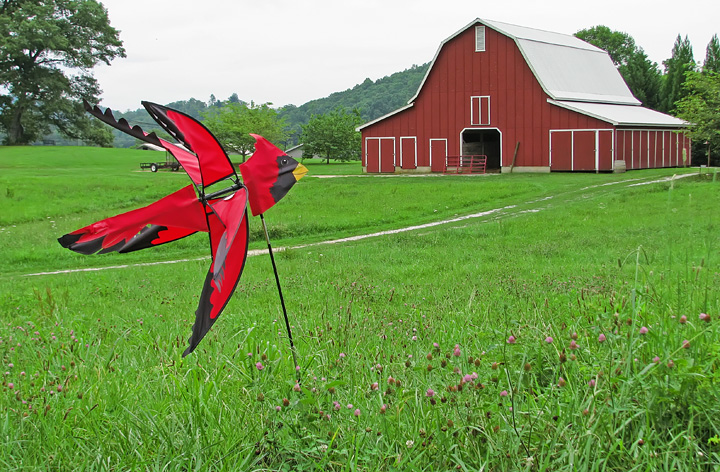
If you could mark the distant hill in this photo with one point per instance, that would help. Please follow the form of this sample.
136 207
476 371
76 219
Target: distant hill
372 99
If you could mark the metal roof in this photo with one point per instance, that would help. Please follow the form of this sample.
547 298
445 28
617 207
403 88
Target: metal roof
623 115
566 67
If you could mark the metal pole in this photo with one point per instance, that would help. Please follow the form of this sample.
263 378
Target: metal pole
282 300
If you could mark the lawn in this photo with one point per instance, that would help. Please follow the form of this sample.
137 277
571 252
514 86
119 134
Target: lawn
559 322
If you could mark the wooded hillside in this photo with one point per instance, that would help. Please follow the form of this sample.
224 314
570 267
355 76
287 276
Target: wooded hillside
373 99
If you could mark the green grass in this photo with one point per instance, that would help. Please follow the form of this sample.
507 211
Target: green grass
321 167
593 259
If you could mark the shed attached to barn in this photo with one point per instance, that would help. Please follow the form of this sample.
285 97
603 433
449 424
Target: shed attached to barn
527 99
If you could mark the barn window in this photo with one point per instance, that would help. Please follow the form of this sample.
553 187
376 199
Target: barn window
479 110
479 38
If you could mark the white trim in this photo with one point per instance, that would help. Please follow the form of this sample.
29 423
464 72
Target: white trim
663 147
477 121
414 138
446 149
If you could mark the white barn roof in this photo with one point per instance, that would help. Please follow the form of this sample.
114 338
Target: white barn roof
623 115
566 67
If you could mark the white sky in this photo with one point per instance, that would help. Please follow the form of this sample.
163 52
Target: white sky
291 51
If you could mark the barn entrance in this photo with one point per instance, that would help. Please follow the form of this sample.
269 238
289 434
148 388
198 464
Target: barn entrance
483 142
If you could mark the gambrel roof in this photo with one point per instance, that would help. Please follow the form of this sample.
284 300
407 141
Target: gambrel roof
566 67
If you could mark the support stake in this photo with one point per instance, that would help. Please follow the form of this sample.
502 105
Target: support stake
282 300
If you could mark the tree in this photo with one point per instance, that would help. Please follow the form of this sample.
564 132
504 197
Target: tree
620 46
233 122
47 51
192 107
712 56
676 69
644 79
701 107
641 74
333 135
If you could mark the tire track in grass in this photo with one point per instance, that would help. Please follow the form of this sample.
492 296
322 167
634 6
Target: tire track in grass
529 207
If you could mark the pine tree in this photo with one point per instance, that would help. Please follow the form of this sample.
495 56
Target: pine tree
712 56
643 77
676 68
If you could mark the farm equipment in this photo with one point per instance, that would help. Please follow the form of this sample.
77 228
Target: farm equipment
170 163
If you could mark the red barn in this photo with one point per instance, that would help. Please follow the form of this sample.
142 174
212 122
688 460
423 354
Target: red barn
529 100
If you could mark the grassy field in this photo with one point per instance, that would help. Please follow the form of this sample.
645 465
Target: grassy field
559 322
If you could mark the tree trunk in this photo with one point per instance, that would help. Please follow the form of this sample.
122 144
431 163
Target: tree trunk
15 132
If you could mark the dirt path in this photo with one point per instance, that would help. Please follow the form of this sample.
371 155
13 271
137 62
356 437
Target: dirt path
532 206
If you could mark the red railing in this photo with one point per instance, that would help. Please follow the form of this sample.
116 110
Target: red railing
467 164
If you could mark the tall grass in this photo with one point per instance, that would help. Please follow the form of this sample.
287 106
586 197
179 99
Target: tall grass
578 332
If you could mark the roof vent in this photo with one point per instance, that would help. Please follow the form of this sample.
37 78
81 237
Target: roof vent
479 39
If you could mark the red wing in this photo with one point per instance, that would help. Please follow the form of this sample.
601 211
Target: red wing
228 223
170 218
214 163
187 160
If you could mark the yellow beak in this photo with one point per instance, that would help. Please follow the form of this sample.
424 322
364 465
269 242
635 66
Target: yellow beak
300 172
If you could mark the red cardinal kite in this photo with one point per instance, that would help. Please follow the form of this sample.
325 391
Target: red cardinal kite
267 177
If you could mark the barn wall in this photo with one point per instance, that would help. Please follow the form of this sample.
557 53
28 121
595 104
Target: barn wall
652 148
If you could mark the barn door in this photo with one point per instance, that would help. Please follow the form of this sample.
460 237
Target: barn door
584 152
387 155
380 155
605 150
372 155
408 152
581 150
561 150
438 155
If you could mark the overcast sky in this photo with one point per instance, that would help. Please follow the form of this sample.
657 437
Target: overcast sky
290 51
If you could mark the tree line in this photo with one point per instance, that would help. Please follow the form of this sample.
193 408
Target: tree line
48 50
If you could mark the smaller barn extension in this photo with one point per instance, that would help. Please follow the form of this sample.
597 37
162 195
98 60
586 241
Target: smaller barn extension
530 101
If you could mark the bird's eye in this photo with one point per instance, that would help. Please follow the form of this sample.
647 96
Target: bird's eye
284 162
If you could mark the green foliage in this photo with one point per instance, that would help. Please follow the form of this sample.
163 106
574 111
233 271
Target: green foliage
619 45
676 69
644 79
234 121
701 107
372 99
712 56
47 50
333 135
642 76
